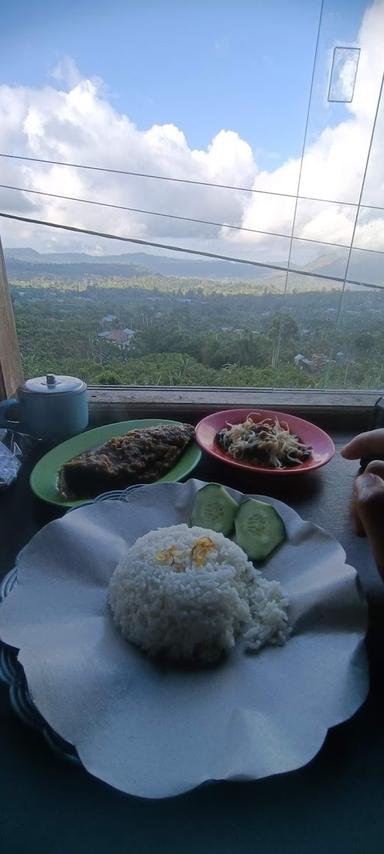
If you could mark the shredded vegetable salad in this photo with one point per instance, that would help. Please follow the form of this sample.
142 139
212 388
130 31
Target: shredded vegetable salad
267 442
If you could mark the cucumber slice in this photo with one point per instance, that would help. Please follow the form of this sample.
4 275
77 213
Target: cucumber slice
259 529
214 508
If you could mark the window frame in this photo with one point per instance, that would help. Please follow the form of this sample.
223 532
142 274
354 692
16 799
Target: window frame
11 371
348 409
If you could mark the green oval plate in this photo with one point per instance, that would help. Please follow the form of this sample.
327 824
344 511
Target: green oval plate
44 476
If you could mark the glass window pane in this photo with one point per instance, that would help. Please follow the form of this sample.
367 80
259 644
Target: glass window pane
343 74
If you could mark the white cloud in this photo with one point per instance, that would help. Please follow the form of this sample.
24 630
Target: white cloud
81 126
221 45
67 72
74 121
334 163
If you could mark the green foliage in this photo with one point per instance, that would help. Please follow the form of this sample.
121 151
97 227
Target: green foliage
200 333
108 378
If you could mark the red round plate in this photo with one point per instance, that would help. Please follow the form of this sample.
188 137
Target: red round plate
322 446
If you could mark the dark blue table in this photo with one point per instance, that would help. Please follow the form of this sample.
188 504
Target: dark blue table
335 804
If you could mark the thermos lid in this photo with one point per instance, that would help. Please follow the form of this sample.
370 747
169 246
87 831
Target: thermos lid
53 384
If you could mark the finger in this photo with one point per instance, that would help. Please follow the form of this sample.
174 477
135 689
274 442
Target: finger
366 444
369 503
359 527
375 467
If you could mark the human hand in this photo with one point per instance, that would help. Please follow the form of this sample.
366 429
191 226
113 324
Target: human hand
368 444
368 495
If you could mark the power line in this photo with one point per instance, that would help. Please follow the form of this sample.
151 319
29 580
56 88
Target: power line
182 218
185 181
201 253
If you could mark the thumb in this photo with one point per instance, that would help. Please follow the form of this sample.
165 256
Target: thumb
369 506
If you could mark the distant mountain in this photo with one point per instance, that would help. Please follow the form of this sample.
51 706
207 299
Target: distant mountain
145 263
27 254
364 266
72 271
367 267
22 254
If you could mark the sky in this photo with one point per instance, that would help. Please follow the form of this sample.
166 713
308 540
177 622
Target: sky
214 91
202 65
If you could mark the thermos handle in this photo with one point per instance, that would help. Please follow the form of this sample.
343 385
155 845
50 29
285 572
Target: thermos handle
4 406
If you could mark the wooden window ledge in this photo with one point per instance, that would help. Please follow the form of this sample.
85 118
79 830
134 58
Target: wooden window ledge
340 408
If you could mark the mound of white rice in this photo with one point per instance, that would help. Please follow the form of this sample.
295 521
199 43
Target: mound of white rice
188 593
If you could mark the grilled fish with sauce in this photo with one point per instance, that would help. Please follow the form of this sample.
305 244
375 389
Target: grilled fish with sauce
140 456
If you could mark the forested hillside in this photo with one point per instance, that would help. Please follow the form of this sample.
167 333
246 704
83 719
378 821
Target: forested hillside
199 332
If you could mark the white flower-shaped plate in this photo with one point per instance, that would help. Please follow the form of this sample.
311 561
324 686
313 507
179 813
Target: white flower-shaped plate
156 731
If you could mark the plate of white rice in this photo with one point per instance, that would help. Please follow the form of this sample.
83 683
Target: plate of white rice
188 593
107 643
